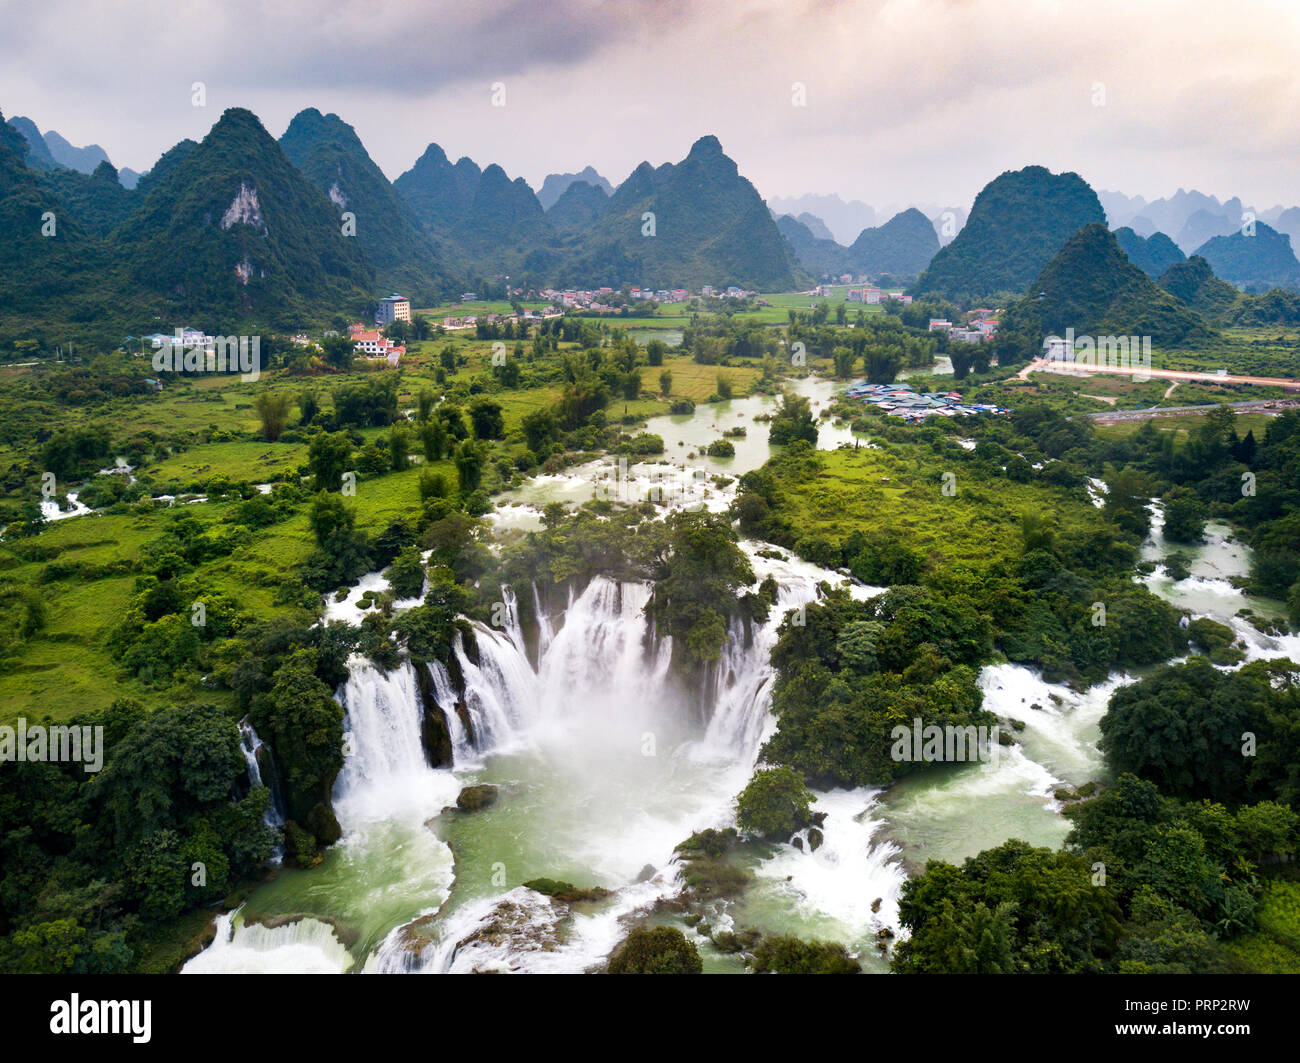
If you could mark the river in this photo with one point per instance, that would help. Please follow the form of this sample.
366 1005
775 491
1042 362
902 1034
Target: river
602 770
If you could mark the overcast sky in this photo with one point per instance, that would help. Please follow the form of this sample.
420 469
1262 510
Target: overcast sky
907 101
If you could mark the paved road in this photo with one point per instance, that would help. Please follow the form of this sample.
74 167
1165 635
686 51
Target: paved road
1045 365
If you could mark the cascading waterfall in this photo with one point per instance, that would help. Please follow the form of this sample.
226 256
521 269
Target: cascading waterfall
385 770
499 694
462 746
304 946
254 750
621 756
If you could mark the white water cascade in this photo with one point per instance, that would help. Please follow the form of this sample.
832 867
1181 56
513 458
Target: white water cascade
304 946
251 745
604 762
620 769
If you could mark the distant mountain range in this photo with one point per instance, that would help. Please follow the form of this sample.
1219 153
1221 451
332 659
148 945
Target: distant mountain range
829 217
49 150
556 184
240 228
1255 260
1191 218
842 220
902 247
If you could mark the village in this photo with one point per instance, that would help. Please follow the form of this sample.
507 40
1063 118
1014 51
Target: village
899 400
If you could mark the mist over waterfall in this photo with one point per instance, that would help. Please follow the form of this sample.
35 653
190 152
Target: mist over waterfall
605 760
385 771
622 763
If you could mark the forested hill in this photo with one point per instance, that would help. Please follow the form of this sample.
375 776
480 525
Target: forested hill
693 223
1018 222
488 222
234 232
43 248
903 246
1090 286
330 155
1152 254
1194 282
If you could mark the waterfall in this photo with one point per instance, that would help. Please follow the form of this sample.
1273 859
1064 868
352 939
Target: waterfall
606 667
605 652
606 763
500 693
254 750
385 771
462 746
304 946
545 630
743 692
744 677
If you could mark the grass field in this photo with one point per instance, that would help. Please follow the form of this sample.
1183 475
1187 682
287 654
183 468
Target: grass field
1274 948
897 492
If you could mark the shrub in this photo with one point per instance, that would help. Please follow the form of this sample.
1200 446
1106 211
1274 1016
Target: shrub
789 955
775 804
656 950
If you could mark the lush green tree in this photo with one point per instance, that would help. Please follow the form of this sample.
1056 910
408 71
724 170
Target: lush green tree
308 405
273 412
470 457
655 950
1013 909
698 570
339 351
406 573
1185 728
485 415
328 457
540 429
1185 515
304 725
793 420
775 804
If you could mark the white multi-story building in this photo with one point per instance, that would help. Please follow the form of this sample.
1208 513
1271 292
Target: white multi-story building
393 308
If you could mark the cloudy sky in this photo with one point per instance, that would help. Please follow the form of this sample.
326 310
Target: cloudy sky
905 101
